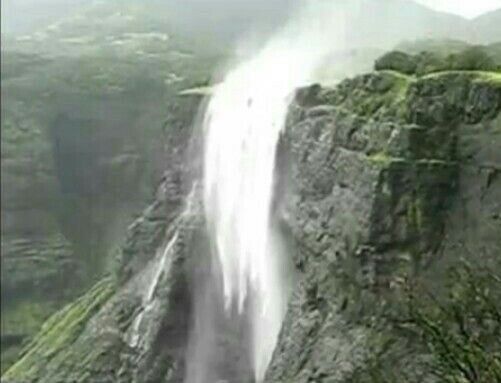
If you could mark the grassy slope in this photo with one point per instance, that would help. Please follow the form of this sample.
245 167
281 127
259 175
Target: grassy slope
60 331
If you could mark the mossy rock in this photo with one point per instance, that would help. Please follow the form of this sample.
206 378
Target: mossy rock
47 349
19 322
380 95
442 98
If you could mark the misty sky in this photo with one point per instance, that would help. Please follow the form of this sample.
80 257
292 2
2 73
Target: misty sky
25 15
465 8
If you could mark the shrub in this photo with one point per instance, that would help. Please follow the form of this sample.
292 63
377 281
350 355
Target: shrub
397 61
474 58
428 62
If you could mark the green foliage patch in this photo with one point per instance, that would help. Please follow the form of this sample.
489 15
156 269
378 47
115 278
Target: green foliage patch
470 58
450 337
60 331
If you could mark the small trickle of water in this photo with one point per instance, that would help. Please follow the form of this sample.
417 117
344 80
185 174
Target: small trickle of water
243 122
153 273
159 266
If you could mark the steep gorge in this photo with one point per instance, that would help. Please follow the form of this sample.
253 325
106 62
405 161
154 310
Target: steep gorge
382 176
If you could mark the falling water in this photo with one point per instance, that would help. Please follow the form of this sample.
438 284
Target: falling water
243 122
151 279
155 271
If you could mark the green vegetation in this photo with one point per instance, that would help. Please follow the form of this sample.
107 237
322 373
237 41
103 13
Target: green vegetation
388 95
18 323
451 334
469 58
60 331
397 61
378 95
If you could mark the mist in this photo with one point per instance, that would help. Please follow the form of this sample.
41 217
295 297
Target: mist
221 17
231 26
376 23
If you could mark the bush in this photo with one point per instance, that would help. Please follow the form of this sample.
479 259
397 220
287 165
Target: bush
397 61
428 62
474 58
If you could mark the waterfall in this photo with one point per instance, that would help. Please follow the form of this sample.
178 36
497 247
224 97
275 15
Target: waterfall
242 124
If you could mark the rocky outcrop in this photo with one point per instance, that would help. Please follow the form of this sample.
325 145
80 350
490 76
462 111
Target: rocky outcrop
379 177
388 174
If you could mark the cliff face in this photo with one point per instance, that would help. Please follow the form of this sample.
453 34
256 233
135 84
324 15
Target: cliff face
381 177
390 176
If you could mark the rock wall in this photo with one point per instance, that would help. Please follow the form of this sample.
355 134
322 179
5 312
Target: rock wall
390 176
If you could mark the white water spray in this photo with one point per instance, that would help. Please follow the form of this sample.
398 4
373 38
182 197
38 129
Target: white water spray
242 124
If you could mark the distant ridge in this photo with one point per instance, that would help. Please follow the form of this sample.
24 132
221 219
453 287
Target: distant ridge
380 24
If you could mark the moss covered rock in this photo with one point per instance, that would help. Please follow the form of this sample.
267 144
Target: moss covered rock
377 196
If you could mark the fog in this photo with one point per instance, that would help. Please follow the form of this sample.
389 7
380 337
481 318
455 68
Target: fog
381 23
24 16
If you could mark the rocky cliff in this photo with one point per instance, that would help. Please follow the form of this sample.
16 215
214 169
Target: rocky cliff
381 177
390 176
